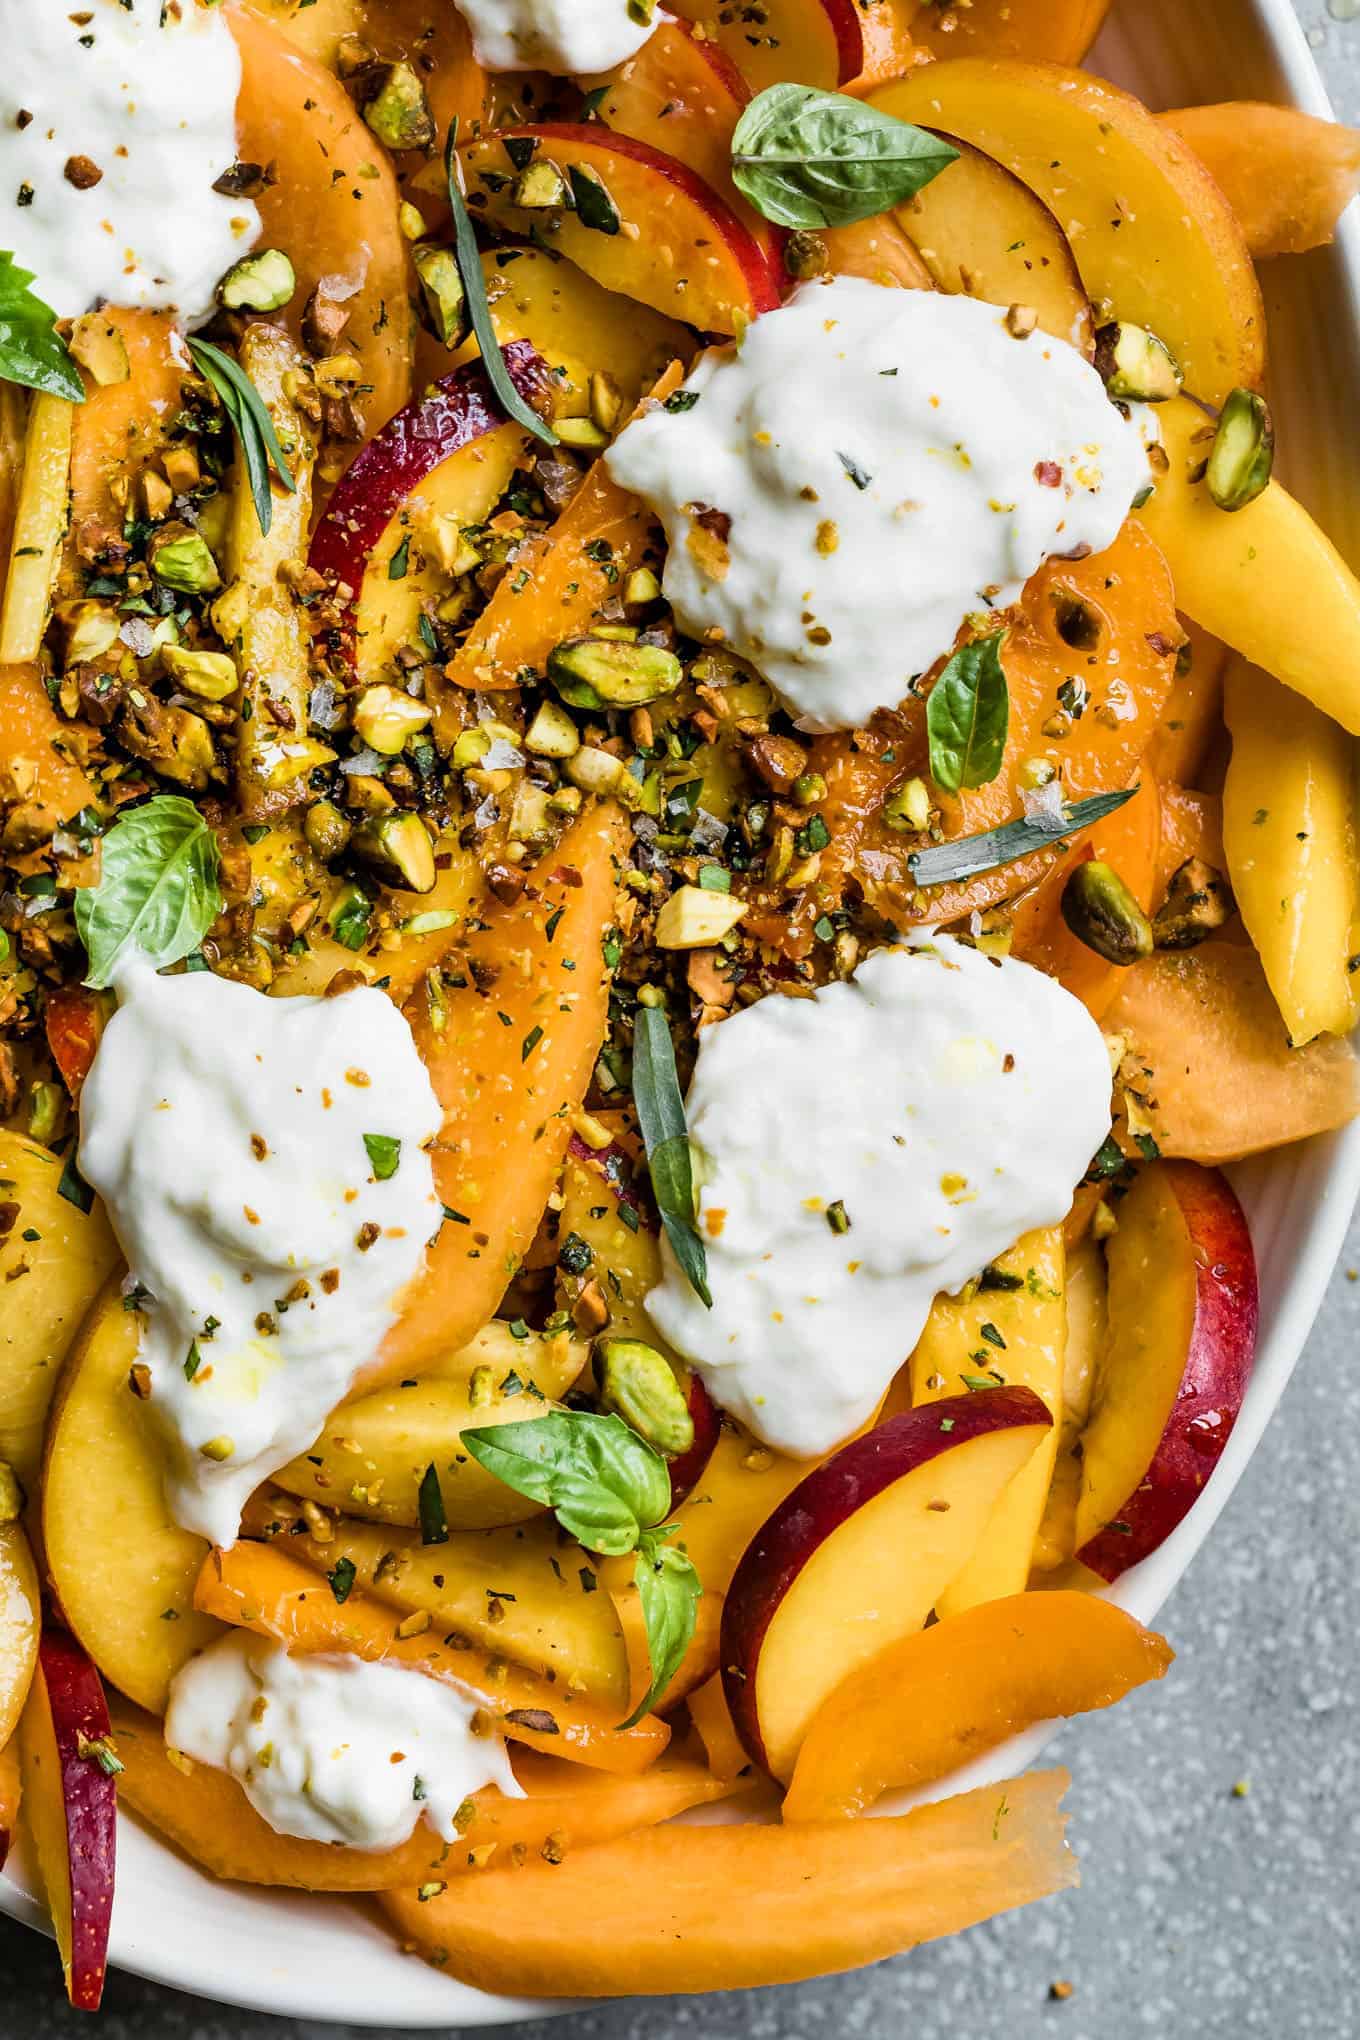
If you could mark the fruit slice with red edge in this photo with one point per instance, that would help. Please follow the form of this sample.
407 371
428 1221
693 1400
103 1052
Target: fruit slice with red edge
20 1621
70 1806
680 93
859 1554
438 449
939 1698
1183 1316
1056 31
74 1021
11 1793
663 235
806 42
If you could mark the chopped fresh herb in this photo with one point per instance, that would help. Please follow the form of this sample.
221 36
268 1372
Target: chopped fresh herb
975 1382
434 1523
400 560
384 1153
594 207
73 1186
966 856
158 891
468 256
193 1361
859 475
250 421
341 1577
530 1043
661 1114
993 1336
681 400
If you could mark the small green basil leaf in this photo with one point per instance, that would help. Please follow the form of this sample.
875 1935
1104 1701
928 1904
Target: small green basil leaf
669 1589
384 1154
661 1115
604 1482
158 891
31 353
967 716
812 159
963 858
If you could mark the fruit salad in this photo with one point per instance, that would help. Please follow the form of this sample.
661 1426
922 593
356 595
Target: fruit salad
673 781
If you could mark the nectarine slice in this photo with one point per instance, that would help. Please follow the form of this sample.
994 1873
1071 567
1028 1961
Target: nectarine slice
261 1588
54 1260
332 207
510 1590
208 1817
983 232
936 1700
31 730
1287 175
1015 1336
122 1571
20 1622
1152 232
1087 1332
1210 1061
70 1808
1266 579
509 1063
11 1794
730 1908
1168 1387
683 94
1193 723
860 1553
673 242
805 42
120 426
1058 31
1129 840
1289 837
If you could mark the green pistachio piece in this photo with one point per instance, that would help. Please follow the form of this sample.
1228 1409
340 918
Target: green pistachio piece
638 1384
601 672
212 676
180 558
1243 452
399 850
263 282
397 109
1101 912
442 293
327 830
540 187
1198 902
1135 365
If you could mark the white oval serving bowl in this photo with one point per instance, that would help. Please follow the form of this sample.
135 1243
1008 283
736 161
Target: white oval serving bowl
328 1958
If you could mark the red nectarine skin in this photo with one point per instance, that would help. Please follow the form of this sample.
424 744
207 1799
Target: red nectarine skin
458 409
689 1467
832 1493
1217 1369
78 1715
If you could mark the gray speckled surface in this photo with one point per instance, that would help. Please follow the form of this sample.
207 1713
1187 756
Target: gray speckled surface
1205 1911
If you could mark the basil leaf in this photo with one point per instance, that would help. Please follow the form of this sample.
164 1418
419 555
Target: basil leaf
158 891
966 856
818 159
469 263
384 1154
605 1483
250 421
967 716
669 1589
31 351
661 1114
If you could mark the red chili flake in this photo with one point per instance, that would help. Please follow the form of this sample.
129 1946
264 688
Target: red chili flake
1048 474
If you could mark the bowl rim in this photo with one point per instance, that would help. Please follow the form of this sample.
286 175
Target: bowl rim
208 1968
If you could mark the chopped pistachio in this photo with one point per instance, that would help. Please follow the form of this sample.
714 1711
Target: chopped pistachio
263 282
530 815
100 348
641 587
442 293
46 1113
695 918
540 187
639 1384
220 1448
326 829
582 433
212 676
596 771
1243 453
599 671
180 558
552 733
909 807
606 400
469 749
384 718
87 630
1135 365
805 256
1101 912
398 848
397 110
1198 902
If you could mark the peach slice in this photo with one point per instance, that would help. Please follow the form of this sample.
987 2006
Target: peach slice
1087 1303
1152 232
1211 1062
120 426
1289 836
1192 826
448 455
1168 1387
11 1795
674 244
510 1590
1130 840
1287 175
683 94
938 1699
260 1588
981 231
30 729
712 1719
333 205
1059 31
1193 723
54 1260
1016 1336
70 1807
508 1068
122 1572
20 1622
731 1908
878 250
860 1553
1265 579
805 42
208 1817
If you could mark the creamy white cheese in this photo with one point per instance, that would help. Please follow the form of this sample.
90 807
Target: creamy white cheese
146 96
937 1106
872 465
566 37
334 1749
225 1132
